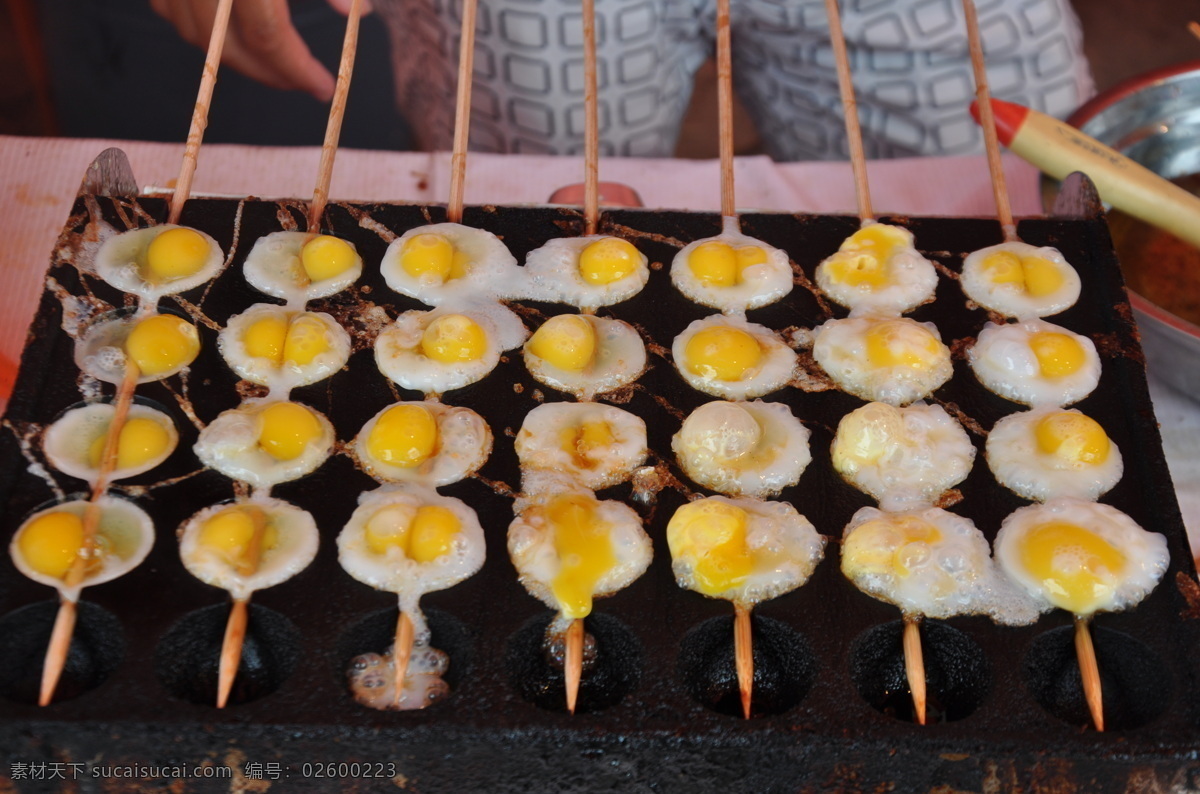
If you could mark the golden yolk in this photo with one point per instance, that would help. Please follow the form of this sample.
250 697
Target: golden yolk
867 435
266 338
1036 276
287 430
141 440
713 534
176 253
714 263
895 343
749 256
454 338
608 260
162 343
1057 354
584 441
888 546
51 542
404 435
423 534
1072 437
306 339
433 256
567 341
722 353
861 259
325 257
1078 569
584 549
231 533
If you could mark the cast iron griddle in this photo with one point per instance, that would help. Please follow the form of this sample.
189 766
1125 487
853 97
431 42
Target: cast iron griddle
657 713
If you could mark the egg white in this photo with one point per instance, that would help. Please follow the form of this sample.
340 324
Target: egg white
67 442
539 443
1004 362
289 375
774 371
120 258
1011 299
492 273
909 281
1019 463
101 351
552 273
273 268
760 284
619 360
230 445
840 347
464 444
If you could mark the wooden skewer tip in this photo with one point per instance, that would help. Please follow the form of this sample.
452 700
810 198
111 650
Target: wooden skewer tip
1089 670
914 665
57 650
573 662
231 650
743 655
402 653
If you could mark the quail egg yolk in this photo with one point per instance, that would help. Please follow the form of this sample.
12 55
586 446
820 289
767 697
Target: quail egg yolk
325 257
586 442
726 430
713 535
51 542
885 547
162 343
1036 276
566 341
608 260
141 440
1078 569
719 264
454 338
423 534
298 341
722 353
287 430
1072 437
585 552
434 257
866 435
861 258
174 254
405 436
232 534
1057 354
895 343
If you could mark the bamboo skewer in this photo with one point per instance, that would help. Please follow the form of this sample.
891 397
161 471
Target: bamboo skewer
337 111
573 662
231 650
56 651
743 655
725 110
462 112
858 159
1089 670
988 122
216 41
1194 27
402 652
591 132
914 664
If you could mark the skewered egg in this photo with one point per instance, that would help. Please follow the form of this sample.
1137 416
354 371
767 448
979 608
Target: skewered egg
301 266
448 263
74 443
264 442
47 543
902 456
585 355
158 260
878 269
1020 280
731 272
753 448
423 442
281 348
587 272
1048 452
597 445
731 358
1083 557
742 550
1035 362
436 351
929 562
159 344
894 360
247 546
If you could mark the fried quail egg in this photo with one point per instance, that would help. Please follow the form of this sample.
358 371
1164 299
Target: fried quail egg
731 272
1020 280
301 266
1048 452
423 442
902 456
587 272
448 262
742 550
158 260
878 269
160 345
264 442
440 350
49 541
1035 363
585 355
248 545
889 359
74 443
570 547
929 562
743 448
1083 557
731 358
596 445
282 348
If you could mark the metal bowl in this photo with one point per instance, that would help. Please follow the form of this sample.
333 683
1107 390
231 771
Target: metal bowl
1154 119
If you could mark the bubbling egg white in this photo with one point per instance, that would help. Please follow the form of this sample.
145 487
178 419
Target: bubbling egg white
878 269
1047 452
585 355
732 272
426 443
1020 280
1035 362
266 442
160 345
587 272
448 263
597 445
300 266
158 260
728 357
74 443
888 359
282 348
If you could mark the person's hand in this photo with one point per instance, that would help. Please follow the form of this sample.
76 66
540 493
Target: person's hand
261 42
